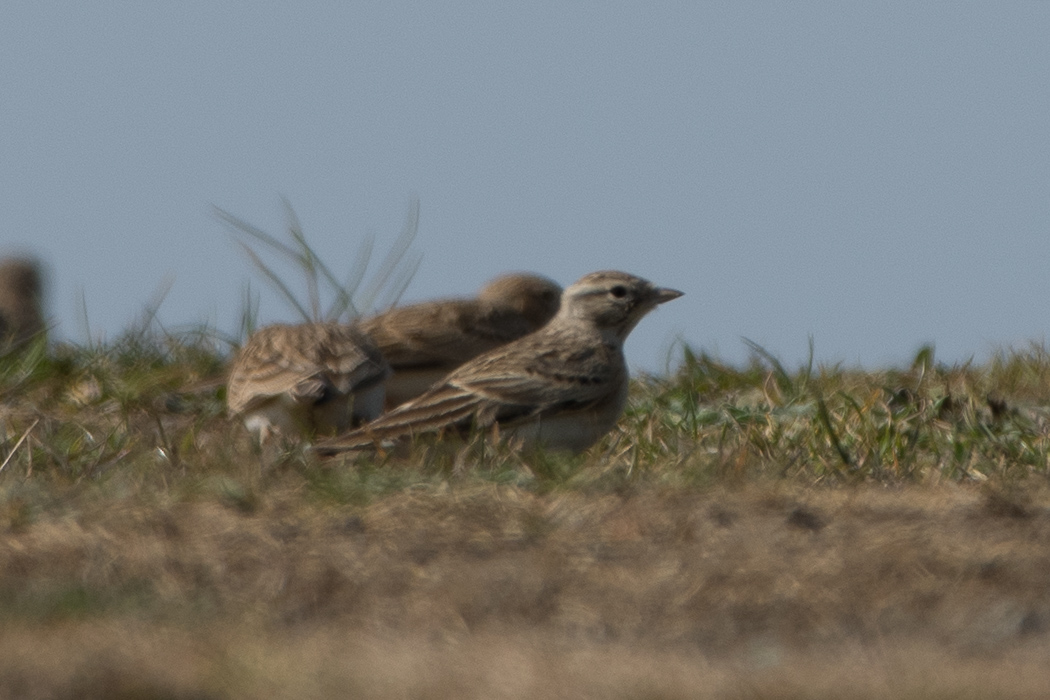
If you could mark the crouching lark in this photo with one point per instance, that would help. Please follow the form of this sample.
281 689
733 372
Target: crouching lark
424 342
298 380
562 387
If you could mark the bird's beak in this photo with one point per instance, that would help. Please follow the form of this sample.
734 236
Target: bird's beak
662 294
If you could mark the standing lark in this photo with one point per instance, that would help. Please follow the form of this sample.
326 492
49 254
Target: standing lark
309 378
20 290
424 342
563 386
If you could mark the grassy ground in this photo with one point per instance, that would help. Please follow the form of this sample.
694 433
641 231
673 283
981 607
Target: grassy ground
746 532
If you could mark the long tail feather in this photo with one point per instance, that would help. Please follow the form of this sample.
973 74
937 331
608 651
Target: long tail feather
438 410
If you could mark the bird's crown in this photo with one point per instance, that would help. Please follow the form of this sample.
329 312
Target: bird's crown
613 300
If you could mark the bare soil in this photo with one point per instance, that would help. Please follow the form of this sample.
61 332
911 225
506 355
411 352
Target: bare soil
486 591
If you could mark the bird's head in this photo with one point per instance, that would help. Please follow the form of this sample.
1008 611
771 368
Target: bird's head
613 301
20 277
533 297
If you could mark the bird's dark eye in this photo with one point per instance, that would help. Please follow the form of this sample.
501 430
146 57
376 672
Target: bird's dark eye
619 291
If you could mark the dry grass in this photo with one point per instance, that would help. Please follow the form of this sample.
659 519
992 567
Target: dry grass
745 533
135 661
494 591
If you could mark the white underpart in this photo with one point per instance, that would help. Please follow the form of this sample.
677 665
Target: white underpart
573 431
285 416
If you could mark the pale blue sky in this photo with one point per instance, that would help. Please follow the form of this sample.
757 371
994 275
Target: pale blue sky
876 175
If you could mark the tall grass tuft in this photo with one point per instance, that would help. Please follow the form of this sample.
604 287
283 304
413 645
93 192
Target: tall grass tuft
348 297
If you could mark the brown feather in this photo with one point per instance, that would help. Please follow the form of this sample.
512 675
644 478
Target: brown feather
564 385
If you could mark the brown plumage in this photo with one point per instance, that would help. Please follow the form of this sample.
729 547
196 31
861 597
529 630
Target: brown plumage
21 287
424 342
563 386
298 380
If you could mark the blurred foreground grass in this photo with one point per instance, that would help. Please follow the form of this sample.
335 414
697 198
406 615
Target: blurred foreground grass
746 531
